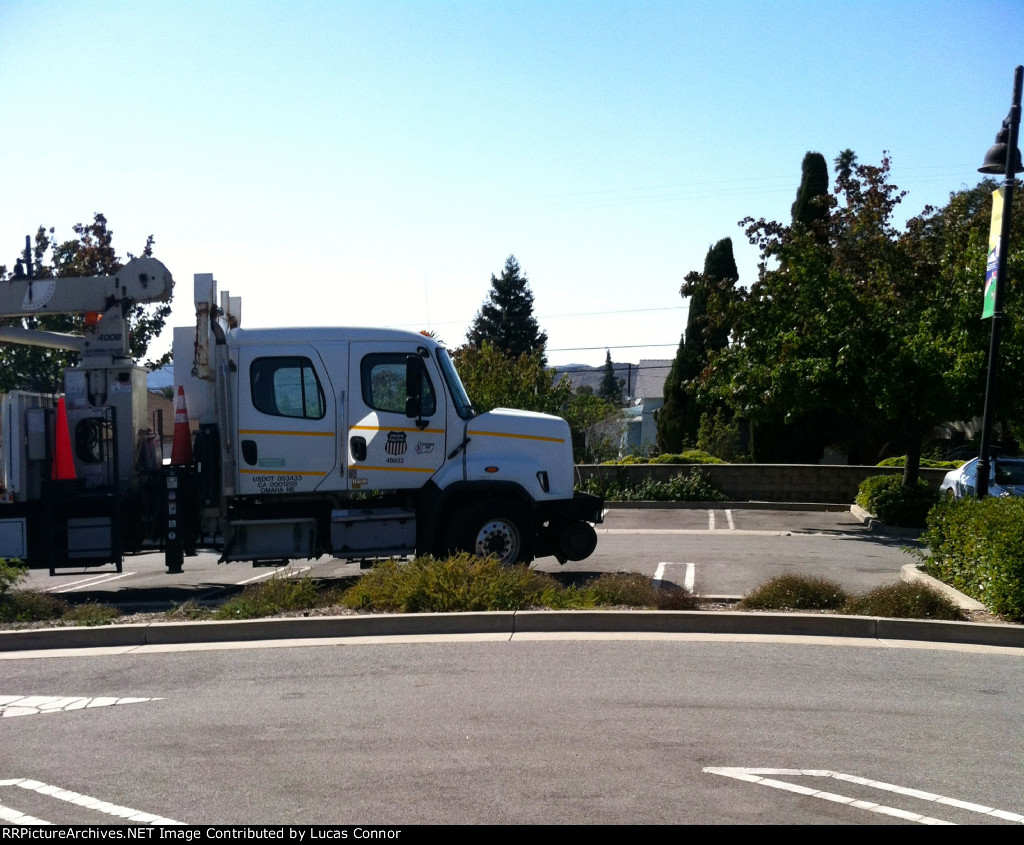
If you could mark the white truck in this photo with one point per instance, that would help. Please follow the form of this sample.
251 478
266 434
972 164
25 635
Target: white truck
353 442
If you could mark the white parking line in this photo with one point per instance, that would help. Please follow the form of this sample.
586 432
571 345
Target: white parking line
757 776
688 578
728 518
9 814
90 582
711 520
291 574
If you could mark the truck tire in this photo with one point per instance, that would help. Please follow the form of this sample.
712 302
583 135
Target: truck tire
498 528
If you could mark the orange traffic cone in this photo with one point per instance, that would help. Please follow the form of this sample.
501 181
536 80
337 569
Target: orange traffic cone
63 468
181 448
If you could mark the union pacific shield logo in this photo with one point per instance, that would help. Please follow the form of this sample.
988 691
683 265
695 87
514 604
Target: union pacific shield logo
396 444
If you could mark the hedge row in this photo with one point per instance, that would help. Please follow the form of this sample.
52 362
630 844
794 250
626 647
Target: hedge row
887 498
978 548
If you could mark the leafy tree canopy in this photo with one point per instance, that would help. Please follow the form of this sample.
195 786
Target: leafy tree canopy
494 379
866 326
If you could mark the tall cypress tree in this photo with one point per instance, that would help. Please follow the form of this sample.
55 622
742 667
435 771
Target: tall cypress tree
679 418
611 387
669 416
810 206
506 317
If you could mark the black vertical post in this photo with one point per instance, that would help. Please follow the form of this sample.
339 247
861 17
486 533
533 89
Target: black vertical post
174 549
985 458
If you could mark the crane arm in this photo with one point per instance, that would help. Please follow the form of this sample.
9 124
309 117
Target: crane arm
140 280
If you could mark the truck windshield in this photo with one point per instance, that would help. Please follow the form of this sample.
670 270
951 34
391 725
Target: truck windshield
463 407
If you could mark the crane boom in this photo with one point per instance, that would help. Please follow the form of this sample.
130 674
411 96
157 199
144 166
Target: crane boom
140 280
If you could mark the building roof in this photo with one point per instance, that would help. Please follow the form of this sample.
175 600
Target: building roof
650 379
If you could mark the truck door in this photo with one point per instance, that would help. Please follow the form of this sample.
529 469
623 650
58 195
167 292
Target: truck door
388 449
287 422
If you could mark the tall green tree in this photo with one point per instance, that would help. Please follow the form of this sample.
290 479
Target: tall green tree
672 417
89 253
506 317
872 330
707 330
811 204
610 389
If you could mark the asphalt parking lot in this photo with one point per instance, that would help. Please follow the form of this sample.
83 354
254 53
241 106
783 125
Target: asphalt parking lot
723 550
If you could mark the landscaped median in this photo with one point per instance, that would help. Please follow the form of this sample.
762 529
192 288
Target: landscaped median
464 594
485 599
519 623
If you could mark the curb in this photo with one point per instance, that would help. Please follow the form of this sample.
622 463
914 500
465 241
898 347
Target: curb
873 523
509 623
911 573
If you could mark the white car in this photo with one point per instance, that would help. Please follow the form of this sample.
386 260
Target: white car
1006 478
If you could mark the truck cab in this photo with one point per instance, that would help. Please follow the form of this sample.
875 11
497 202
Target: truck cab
362 442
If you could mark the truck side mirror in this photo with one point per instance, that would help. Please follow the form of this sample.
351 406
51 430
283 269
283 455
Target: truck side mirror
413 386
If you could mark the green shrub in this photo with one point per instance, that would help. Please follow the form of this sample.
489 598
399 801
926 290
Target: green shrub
795 592
887 498
188 611
929 463
690 456
675 598
267 598
30 606
978 548
631 589
90 614
12 571
682 487
464 583
720 435
457 584
904 600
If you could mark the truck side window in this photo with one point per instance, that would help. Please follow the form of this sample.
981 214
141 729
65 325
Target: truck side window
383 382
287 387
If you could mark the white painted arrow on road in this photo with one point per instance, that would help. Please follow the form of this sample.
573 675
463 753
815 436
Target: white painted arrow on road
33 705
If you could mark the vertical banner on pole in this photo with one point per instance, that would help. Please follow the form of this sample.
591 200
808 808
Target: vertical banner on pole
989 306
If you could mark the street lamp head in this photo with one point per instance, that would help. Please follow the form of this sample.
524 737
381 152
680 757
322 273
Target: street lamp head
995 158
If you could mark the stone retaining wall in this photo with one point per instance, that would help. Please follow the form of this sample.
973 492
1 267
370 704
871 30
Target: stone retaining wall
766 482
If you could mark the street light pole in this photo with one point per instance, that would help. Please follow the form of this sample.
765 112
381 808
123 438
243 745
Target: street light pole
1003 157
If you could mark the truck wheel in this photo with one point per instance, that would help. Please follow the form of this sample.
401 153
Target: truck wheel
500 529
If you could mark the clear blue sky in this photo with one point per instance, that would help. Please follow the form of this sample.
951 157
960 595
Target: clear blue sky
373 163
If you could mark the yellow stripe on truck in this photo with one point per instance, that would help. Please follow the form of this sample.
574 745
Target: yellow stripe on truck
395 428
251 431
516 436
364 468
